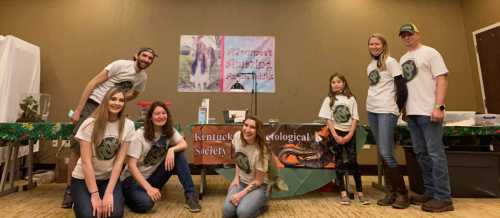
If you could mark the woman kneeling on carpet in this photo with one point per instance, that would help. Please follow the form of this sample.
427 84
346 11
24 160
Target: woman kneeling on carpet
152 158
247 194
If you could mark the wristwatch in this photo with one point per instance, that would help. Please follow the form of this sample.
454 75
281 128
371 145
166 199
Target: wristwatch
441 107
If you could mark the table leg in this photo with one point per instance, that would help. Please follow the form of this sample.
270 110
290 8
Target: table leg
30 184
203 182
6 166
13 166
12 159
12 170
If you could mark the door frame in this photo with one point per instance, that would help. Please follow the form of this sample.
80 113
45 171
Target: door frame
484 29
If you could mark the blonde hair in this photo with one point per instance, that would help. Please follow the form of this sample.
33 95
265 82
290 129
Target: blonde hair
385 51
101 118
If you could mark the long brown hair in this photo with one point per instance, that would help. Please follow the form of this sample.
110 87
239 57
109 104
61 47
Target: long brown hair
385 51
260 136
346 91
149 130
101 117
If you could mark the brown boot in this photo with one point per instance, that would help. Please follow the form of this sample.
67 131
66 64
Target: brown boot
390 195
401 201
67 200
437 206
419 199
388 200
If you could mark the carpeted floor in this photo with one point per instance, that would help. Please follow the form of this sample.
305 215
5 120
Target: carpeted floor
44 201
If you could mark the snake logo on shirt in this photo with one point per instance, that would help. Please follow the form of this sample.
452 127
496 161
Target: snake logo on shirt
242 161
409 70
157 152
155 155
341 114
108 148
374 77
125 85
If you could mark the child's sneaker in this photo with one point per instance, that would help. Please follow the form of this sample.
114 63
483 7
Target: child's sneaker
363 200
345 200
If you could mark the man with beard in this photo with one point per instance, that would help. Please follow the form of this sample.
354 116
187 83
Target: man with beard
129 75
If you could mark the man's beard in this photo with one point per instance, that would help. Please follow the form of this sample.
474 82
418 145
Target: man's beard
141 65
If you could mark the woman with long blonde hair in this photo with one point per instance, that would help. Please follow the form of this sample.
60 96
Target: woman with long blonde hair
104 139
386 98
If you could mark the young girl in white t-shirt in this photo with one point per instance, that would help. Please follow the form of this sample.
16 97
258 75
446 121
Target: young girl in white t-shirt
104 139
340 111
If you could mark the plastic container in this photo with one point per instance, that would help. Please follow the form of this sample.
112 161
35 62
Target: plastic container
488 119
459 118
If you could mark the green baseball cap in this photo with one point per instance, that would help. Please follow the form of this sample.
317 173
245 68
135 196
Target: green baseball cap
408 27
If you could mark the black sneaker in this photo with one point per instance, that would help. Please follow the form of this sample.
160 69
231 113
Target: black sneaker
192 203
67 200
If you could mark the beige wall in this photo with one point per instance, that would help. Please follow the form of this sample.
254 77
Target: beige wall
477 15
314 38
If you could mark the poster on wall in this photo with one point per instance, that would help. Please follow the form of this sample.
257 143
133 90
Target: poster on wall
226 64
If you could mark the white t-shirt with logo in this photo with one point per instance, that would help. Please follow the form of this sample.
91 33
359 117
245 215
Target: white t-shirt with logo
104 154
420 69
341 113
149 154
247 159
120 73
382 91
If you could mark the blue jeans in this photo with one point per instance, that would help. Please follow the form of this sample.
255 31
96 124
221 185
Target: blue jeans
382 126
81 197
427 140
251 205
138 200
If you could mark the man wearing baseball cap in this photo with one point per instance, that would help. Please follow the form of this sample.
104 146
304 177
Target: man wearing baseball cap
426 77
129 75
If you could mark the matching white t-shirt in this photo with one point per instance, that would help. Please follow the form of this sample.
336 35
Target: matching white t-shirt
420 69
341 113
120 73
247 159
150 154
104 154
382 91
